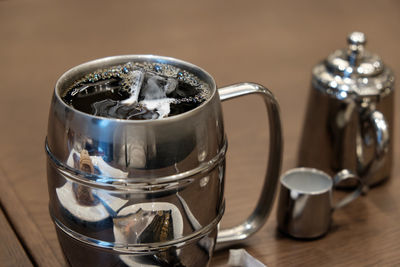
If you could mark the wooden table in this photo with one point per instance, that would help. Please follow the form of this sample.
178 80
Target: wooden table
271 43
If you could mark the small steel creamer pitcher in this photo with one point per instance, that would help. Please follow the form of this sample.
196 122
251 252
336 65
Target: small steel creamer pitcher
349 117
148 192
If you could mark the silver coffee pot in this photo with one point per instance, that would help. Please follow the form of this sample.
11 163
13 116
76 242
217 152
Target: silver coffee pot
349 117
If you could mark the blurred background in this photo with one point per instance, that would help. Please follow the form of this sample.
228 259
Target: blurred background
274 43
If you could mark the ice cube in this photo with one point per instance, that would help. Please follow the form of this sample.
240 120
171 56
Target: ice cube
95 87
114 109
102 108
154 94
147 89
154 88
161 106
137 77
170 86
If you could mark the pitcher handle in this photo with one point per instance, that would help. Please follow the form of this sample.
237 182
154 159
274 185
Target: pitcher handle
382 140
228 237
342 176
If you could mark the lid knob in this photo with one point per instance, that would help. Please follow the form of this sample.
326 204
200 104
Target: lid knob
356 41
356 38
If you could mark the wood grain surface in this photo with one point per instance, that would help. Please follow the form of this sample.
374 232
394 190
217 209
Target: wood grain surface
30 235
11 251
274 43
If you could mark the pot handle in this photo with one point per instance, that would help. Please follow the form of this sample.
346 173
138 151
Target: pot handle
228 237
381 133
382 139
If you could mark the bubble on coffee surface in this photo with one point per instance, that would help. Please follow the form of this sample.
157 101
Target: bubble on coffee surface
137 91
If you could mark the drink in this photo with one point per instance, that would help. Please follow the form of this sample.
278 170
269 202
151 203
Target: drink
137 91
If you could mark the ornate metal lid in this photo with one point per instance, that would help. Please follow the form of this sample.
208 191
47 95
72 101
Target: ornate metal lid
353 71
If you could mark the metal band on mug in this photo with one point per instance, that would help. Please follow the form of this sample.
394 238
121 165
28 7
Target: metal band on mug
99 181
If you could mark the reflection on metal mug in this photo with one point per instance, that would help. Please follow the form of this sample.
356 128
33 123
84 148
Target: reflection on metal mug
305 201
349 118
147 192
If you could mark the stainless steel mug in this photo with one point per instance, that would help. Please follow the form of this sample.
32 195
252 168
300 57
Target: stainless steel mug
349 118
305 204
150 192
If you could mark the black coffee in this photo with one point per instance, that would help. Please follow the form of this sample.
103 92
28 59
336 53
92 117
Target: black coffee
137 91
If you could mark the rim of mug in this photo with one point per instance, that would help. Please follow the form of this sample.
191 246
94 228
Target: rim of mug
306 170
121 59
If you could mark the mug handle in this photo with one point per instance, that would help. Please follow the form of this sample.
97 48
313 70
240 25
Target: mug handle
382 140
228 237
344 175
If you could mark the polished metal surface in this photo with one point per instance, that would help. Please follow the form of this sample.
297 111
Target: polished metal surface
349 116
147 193
353 72
305 202
265 201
